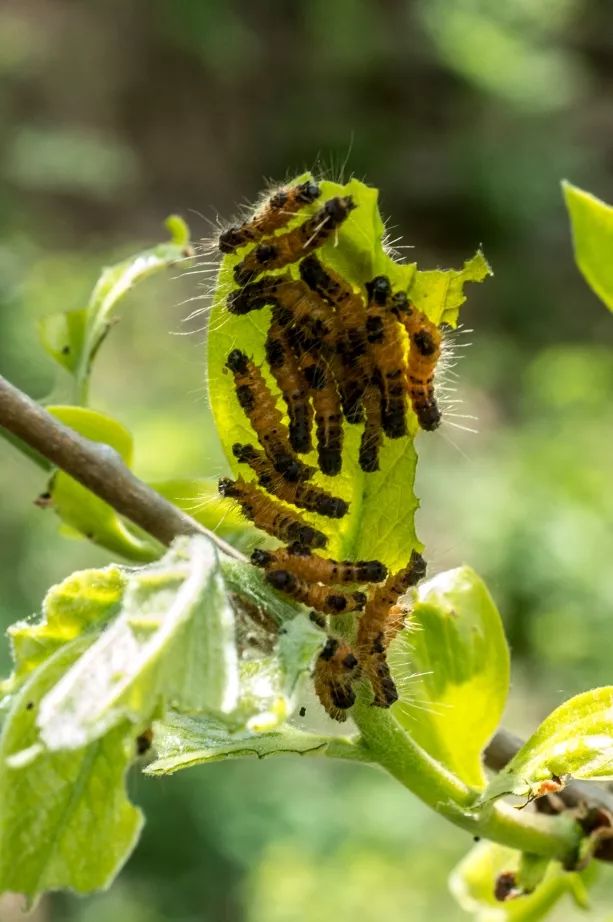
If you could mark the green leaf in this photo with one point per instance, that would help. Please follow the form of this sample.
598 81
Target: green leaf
80 509
576 739
472 884
592 227
73 338
172 642
380 522
65 820
82 603
456 646
182 742
440 293
62 336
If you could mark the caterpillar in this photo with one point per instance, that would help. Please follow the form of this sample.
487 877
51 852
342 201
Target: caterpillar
351 345
310 567
425 340
260 407
326 599
275 213
304 495
268 515
376 630
387 352
292 385
336 670
276 252
372 436
328 423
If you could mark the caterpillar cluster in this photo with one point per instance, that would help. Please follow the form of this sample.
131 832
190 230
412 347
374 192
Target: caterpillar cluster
338 354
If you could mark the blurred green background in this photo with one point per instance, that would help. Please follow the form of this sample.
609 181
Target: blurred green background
466 114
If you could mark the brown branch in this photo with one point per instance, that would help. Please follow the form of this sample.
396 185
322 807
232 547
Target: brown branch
99 468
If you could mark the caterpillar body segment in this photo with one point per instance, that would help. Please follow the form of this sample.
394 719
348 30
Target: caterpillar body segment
274 214
336 671
261 409
372 436
276 252
387 353
304 495
312 568
425 340
328 425
293 386
269 515
329 600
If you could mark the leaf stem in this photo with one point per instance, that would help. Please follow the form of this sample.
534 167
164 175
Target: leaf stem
392 748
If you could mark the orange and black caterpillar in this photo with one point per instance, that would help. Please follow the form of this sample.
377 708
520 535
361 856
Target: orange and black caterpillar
336 670
291 383
275 213
372 436
276 252
376 629
328 421
270 516
260 407
304 495
326 599
425 348
312 568
351 344
387 354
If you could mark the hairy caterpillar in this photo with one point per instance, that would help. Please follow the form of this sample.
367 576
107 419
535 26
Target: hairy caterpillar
328 423
372 436
260 407
376 628
336 670
270 516
275 213
304 495
315 569
387 353
276 252
425 340
326 599
292 385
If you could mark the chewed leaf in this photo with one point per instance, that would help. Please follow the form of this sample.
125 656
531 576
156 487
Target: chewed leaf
73 338
65 819
82 603
382 504
80 509
592 227
183 741
171 642
472 883
440 293
576 739
457 649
